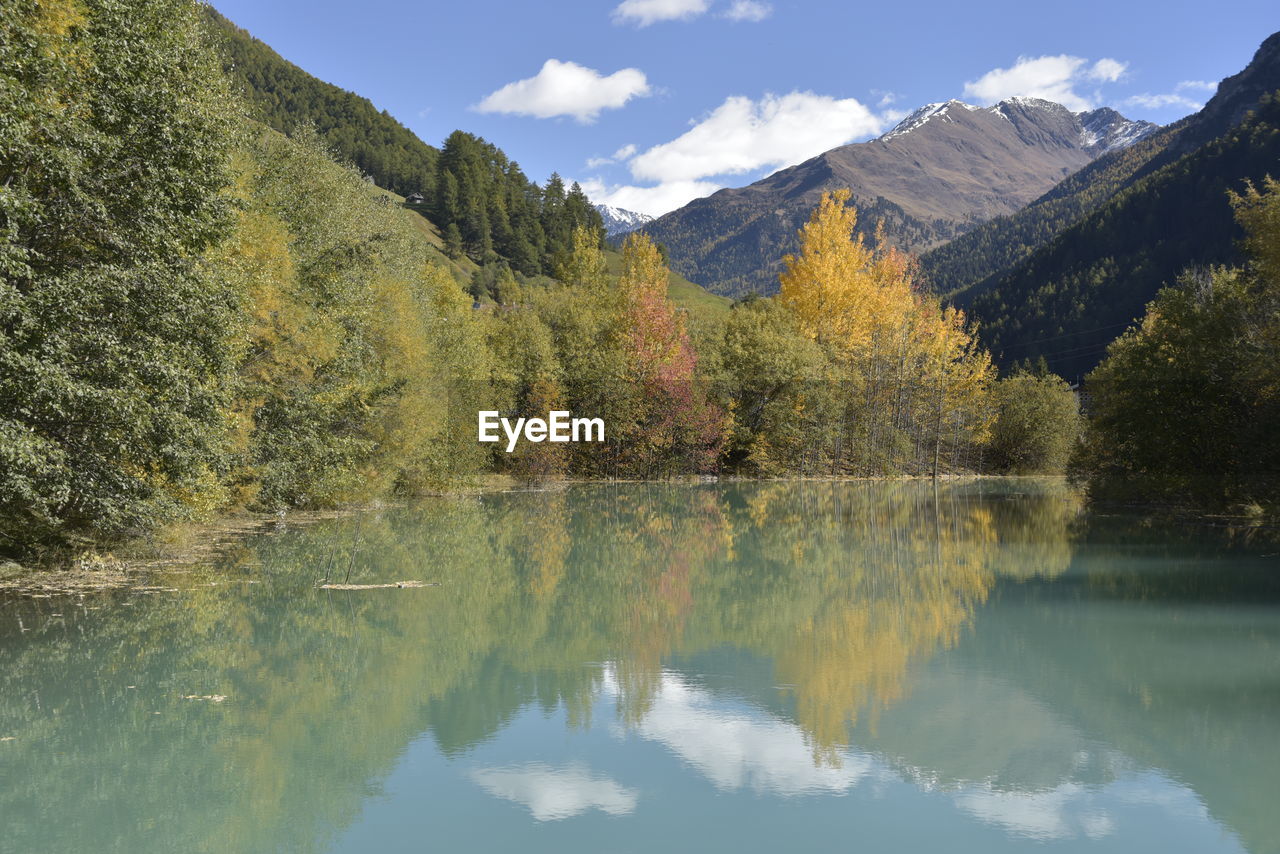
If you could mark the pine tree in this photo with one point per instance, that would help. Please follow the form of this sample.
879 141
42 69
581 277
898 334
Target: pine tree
453 241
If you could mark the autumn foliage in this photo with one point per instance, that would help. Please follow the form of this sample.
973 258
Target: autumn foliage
912 386
674 427
200 315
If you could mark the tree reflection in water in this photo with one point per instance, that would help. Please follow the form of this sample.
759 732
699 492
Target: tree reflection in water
827 605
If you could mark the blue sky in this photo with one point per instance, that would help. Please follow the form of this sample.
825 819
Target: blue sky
650 103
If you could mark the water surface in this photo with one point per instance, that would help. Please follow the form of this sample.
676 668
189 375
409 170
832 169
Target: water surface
724 667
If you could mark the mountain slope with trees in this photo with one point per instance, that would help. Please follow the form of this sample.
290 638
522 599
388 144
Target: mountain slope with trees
1068 300
482 203
969 263
201 314
940 172
283 96
1201 373
1147 214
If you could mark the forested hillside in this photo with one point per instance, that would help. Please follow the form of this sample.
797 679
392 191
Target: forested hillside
969 264
482 203
1068 300
1065 275
967 261
283 96
201 314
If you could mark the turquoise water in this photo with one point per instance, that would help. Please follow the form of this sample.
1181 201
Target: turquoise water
721 667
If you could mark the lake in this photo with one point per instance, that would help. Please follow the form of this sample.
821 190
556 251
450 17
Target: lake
802 666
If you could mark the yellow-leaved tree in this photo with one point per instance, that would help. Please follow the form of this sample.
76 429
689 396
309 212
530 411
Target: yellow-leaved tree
914 382
846 295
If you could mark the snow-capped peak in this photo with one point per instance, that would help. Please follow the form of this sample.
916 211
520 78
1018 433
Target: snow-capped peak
1029 101
1107 130
923 115
1102 129
619 221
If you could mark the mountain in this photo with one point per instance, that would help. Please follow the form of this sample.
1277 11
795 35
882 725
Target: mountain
479 199
967 263
1066 275
620 221
1000 243
940 172
283 96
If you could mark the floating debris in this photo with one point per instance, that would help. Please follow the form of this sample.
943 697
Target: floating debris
379 586
213 698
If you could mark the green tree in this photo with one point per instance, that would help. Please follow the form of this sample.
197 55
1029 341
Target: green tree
114 356
365 357
772 381
1037 423
453 241
584 265
1186 407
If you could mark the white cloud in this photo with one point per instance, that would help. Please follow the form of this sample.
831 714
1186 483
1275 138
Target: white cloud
742 135
1054 78
892 117
645 12
886 98
654 201
1184 96
617 157
1066 811
551 794
1107 70
748 10
567 89
742 748
1157 102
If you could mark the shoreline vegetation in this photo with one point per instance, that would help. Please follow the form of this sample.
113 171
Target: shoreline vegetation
185 548
202 317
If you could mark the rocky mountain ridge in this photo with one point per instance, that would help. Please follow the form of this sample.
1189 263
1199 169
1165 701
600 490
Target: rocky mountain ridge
938 173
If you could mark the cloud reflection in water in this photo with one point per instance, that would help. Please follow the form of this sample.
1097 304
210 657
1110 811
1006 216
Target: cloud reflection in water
551 794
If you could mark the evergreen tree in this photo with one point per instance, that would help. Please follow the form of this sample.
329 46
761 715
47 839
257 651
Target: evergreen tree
453 241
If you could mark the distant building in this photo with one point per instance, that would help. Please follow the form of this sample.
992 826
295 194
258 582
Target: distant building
1085 398
415 199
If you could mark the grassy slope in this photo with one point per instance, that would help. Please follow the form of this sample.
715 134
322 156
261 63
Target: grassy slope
702 305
